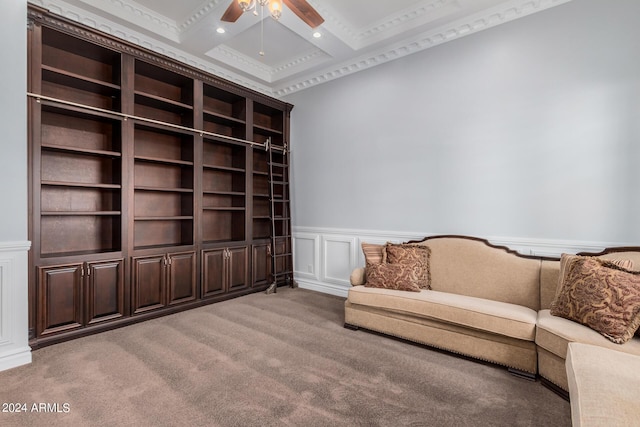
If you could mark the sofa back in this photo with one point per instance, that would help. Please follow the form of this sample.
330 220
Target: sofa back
550 271
473 267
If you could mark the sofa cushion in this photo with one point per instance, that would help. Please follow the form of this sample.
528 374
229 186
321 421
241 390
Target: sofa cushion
415 256
603 386
486 315
555 333
599 294
373 254
394 276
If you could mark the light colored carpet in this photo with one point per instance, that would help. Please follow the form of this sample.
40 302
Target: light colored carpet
267 360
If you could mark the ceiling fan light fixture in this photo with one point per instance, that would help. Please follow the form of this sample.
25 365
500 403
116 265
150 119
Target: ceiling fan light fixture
246 4
275 7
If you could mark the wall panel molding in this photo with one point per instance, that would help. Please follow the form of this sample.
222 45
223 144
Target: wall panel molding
14 324
307 261
340 252
338 258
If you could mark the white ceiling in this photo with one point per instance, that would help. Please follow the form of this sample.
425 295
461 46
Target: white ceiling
356 34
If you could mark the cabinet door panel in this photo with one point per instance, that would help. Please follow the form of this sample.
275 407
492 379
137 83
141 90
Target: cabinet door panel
182 277
105 291
59 299
149 282
261 265
238 267
213 272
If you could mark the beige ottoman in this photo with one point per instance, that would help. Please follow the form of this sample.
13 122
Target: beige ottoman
604 386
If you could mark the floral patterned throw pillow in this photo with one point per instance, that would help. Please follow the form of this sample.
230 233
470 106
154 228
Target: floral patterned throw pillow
600 295
415 256
392 276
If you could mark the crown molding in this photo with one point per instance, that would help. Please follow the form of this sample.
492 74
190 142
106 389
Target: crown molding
392 21
489 18
241 61
137 11
301 59
359 38
130 11
199 14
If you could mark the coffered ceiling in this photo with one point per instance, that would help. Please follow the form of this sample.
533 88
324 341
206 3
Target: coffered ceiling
356 34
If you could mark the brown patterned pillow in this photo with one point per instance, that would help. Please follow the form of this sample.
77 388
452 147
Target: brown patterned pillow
417 256
392 276
373 254
565 258
601 295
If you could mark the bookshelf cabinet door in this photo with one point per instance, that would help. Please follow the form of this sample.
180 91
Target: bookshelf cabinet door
182 277
105 291
60 299
261 264
149 283
238 267
213 272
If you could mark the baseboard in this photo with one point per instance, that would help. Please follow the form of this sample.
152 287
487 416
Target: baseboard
14 322
10 361
326 288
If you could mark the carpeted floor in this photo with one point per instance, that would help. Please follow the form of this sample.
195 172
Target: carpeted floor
266 360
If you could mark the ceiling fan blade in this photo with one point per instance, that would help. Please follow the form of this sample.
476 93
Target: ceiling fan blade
305 12
232 13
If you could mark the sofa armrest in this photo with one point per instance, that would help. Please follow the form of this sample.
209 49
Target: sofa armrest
357 277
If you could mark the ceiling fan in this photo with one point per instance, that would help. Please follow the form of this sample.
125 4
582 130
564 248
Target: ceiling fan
300 7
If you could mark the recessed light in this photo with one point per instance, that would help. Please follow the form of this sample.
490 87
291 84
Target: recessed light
317 34
221 30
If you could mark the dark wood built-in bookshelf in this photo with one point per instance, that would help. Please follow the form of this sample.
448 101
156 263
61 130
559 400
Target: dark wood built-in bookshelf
154 186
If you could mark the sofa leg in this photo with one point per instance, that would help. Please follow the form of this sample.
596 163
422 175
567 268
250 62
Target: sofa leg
522 374
351 327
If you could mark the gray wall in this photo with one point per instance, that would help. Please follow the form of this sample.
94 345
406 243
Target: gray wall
13 121
529 129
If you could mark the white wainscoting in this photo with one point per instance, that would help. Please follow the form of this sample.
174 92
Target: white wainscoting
14 317
325 257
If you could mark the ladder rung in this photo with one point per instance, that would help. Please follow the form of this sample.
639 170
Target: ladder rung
278 164
280 182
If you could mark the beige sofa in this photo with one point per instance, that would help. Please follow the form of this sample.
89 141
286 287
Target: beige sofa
486 302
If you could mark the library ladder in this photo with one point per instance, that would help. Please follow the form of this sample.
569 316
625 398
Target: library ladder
280 214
